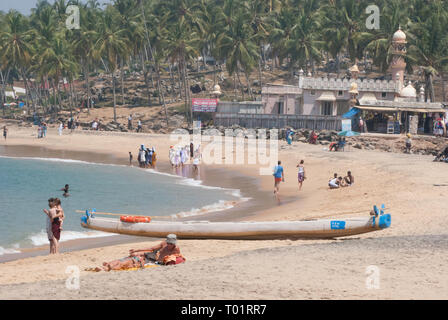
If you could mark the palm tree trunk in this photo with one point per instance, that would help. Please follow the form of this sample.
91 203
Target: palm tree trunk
241 84
172 79
122 81
248 85
86 76
115 98
145 74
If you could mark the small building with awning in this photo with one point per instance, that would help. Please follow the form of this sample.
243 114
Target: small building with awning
409 116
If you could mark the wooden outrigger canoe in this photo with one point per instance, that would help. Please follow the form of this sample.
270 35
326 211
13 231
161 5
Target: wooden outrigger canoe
307 229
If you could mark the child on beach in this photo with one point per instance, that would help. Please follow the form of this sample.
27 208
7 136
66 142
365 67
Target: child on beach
349 179
5 132
408 144
335 183
301 175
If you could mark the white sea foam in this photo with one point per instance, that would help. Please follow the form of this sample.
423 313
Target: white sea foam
7 251
215 207
41 238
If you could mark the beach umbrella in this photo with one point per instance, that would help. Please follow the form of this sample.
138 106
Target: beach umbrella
348 133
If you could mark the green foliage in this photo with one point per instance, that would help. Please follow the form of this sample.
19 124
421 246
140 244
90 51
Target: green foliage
243 34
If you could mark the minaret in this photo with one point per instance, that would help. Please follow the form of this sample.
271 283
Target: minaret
398 65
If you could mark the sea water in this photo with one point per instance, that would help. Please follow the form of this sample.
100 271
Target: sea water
27 183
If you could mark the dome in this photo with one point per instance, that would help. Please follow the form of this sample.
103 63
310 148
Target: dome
216 88
399 35
408 92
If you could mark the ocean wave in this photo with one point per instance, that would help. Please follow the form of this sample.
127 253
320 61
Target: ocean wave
65 160
7 251
215 207
41 238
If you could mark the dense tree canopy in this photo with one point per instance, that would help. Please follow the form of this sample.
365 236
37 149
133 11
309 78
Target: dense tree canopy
243 35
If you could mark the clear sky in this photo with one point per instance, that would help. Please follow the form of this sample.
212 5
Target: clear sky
24 6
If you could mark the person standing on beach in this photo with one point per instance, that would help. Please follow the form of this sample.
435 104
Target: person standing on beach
191 150
60 128
130 158
279 176
130 122
5 132
139 126
301 175
44 130
50 214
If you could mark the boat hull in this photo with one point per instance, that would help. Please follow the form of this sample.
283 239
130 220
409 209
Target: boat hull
311 229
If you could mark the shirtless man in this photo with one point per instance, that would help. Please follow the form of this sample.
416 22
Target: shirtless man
349 179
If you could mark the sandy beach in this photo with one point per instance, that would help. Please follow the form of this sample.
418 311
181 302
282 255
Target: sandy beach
411 256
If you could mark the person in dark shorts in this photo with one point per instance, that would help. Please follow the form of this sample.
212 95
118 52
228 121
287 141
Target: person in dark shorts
130 158
5 132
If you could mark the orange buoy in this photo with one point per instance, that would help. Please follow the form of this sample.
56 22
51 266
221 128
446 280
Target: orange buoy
135 219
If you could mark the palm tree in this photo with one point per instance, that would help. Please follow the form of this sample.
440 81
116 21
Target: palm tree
17 49
428 44
393 15
181 43
110 46
238 44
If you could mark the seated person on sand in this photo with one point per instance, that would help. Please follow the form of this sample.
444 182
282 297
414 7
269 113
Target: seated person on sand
335 183
166 253
349 179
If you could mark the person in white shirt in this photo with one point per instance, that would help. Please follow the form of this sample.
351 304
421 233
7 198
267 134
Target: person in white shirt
335 183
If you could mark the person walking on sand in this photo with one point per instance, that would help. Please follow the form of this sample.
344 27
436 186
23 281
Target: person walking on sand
301 174
5 132
130 158
60 128
279 176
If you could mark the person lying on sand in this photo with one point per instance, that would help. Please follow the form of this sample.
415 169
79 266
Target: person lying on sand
165 253
161 252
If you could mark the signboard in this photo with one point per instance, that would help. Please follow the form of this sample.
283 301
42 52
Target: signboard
337 225
346 125
204 105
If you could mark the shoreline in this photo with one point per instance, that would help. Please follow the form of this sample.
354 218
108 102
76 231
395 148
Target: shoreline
248 204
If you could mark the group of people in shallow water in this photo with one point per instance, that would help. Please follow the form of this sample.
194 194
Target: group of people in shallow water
147 157
181 155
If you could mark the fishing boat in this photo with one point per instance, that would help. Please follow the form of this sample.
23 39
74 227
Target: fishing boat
266 230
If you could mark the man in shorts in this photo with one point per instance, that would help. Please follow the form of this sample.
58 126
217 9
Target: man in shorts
278 177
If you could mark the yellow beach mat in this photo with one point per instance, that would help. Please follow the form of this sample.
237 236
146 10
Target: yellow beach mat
147 266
